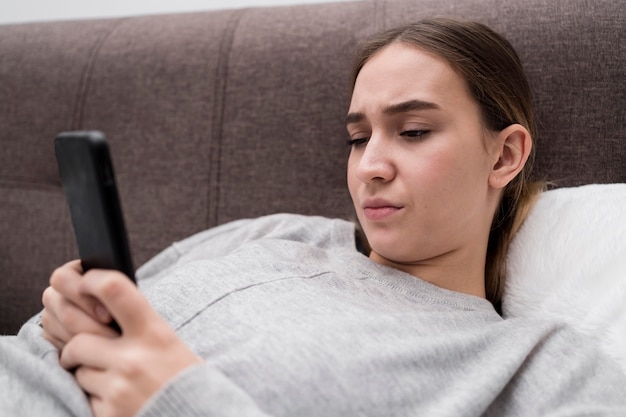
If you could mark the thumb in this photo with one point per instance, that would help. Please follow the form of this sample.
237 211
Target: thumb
121 298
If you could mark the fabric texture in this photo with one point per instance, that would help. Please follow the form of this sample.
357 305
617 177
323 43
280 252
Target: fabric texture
292 320
568 263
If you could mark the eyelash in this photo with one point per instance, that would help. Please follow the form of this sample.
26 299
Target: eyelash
415 134
356 142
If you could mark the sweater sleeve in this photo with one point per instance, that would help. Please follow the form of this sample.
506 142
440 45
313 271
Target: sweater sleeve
201 391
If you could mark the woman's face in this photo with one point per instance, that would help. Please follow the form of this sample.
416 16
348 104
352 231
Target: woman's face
420 162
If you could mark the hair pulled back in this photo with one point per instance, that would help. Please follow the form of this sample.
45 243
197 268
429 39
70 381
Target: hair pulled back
495 77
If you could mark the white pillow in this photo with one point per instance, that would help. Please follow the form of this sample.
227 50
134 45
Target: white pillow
568 263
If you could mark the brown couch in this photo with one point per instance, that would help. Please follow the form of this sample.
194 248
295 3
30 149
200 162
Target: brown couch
215 116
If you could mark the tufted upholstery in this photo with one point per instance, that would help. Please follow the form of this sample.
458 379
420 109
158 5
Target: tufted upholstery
214 116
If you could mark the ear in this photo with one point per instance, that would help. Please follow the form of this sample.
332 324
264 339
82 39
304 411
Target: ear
513 148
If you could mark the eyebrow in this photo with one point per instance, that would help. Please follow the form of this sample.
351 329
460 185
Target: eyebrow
392 109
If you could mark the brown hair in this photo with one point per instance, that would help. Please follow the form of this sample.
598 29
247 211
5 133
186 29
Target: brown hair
493 72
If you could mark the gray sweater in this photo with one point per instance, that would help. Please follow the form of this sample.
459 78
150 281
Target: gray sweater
293 321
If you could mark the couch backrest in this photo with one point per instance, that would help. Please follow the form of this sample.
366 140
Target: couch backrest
221 115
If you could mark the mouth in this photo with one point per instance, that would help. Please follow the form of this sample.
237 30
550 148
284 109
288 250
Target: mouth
376 210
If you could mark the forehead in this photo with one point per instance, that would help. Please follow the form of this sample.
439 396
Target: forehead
401 72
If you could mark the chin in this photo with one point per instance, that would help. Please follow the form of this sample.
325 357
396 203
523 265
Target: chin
393 252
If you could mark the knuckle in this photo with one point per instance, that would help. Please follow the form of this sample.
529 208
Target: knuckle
119 390
129 365
161 334
56 277
64 274
46 296
62 278
71 348
110 285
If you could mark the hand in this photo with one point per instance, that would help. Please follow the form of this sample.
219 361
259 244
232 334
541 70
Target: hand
68 312
121 373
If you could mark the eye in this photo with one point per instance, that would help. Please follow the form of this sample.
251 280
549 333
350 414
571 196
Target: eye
414 134
357 142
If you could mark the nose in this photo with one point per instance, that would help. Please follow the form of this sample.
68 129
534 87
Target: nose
375 161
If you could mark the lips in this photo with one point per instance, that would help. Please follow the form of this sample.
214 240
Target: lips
379 209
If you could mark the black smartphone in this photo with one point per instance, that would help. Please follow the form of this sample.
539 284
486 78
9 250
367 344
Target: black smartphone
88 179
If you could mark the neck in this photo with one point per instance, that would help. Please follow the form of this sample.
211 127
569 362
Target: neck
452 271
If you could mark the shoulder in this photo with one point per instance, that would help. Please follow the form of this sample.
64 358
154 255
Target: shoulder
563 346
314 231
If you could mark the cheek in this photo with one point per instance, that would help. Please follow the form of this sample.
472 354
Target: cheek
446 179
460 183
458 161
433 169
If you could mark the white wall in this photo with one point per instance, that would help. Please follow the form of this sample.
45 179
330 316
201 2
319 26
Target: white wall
18 11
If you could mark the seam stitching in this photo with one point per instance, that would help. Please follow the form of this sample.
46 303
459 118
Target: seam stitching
85 78
247 287
219 94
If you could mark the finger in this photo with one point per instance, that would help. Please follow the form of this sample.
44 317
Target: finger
88 350
57 343
66 279
62 319
99 407
49 320
53 331
109 395
91 380
121 297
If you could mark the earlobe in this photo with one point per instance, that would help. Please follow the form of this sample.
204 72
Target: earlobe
514 145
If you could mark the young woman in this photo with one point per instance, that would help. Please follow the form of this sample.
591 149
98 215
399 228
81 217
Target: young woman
447 117
283 316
